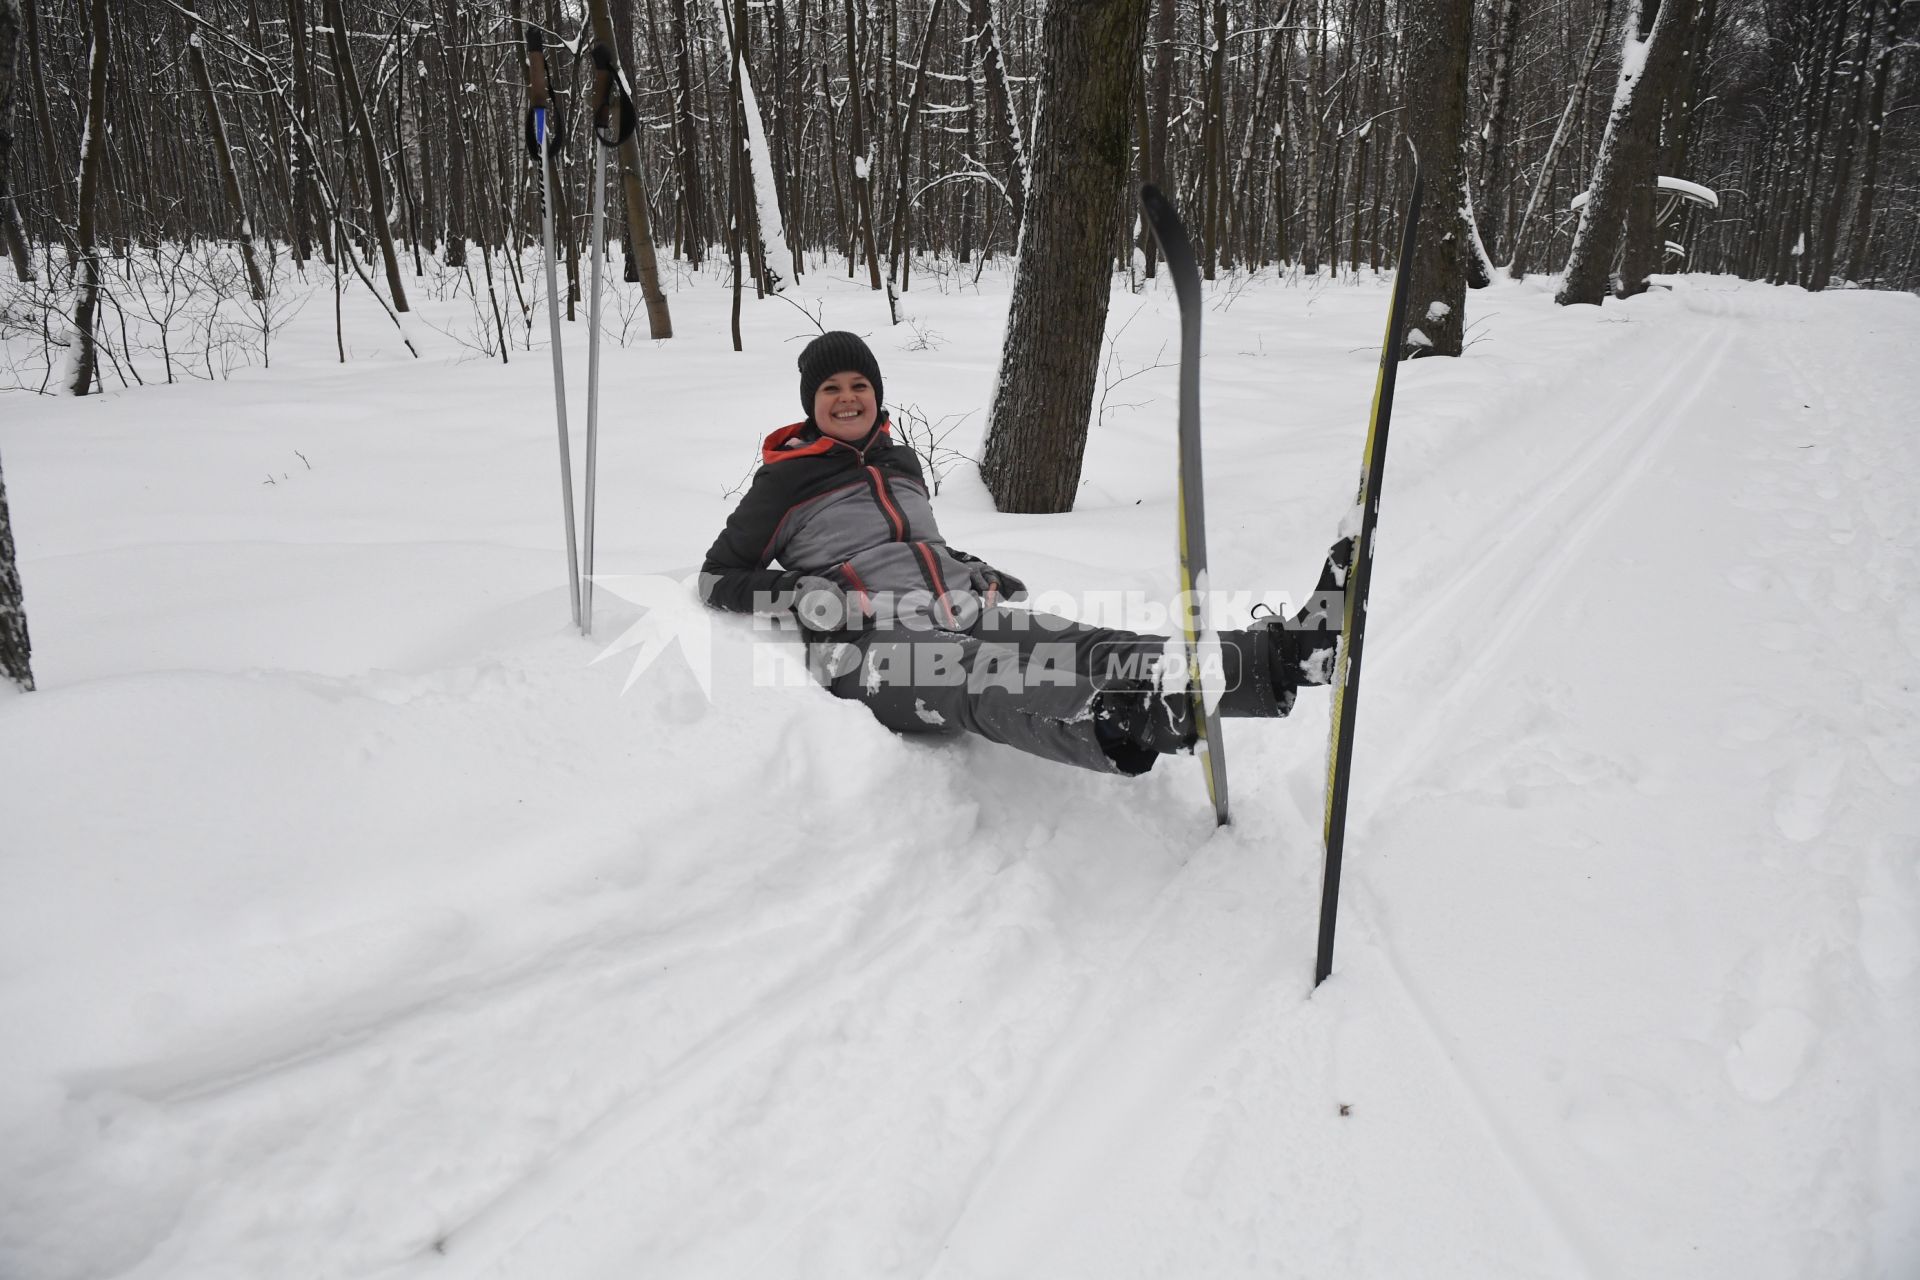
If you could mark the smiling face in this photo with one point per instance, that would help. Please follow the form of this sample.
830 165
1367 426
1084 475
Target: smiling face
844 406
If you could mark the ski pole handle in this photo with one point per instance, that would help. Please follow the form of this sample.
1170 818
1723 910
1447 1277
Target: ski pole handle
609 97
536 67
602 87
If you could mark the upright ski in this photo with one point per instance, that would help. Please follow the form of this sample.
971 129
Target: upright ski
1195 625
1346 670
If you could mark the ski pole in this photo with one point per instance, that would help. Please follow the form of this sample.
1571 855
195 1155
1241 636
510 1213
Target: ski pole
603 89
593 380
541 133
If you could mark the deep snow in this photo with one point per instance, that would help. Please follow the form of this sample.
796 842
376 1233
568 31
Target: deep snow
354 922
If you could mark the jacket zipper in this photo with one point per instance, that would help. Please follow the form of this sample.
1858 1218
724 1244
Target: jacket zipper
933 576
898 523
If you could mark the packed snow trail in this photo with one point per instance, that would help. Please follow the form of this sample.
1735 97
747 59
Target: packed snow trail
355 923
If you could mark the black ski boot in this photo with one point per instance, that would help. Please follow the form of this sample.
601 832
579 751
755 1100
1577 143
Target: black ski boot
1136 724
1304 646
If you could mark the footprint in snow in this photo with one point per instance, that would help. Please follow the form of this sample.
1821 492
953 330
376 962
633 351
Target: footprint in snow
1889 942
1806 793
1768 1057
1907 627
1753 721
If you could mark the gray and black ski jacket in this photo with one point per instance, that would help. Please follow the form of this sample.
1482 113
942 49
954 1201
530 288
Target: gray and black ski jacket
856 514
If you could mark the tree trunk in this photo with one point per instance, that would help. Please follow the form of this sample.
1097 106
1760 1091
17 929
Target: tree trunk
1159 107
1001 121
12 229
49 154
1038 433
639 233
900 254
693 221
1804 198
1627 148
862 157
1438 36
242 227
93 148
303 160
842 219
369 150
16 648
452 64
1876 128
1490 176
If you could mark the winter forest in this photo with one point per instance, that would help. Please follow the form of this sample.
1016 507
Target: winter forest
474 802
393 134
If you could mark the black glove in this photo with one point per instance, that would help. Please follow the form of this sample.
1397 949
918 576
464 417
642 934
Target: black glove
823 605
989 583
993 585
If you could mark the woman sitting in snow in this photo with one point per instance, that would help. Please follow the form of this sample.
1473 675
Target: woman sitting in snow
916 630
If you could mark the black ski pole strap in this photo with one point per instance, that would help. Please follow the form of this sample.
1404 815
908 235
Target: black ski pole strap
540 97
609 97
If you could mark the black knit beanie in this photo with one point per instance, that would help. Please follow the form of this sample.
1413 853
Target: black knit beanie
831 353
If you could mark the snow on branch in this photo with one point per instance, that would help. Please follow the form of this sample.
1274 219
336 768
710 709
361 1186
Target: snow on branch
1691 192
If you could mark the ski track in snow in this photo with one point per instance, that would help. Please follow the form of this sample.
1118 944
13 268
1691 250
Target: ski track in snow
1617 994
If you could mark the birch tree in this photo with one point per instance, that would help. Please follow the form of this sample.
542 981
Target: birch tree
12 229
86 351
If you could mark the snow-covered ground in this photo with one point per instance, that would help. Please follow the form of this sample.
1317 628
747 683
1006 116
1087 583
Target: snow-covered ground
355 921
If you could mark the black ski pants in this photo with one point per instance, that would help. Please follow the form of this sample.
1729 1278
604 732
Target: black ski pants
1035 681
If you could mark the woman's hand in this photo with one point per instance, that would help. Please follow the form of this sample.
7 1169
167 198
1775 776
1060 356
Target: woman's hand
992 585
821 604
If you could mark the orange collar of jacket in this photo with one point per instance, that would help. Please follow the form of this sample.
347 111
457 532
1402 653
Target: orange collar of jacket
786 442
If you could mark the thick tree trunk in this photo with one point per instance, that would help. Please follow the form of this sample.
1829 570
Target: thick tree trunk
1822 89
452 65
16 648
1876 129
1089 54
1627 149
633 188
303 159
1640 247
1438 35
1827 250
1490 175
1644 250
